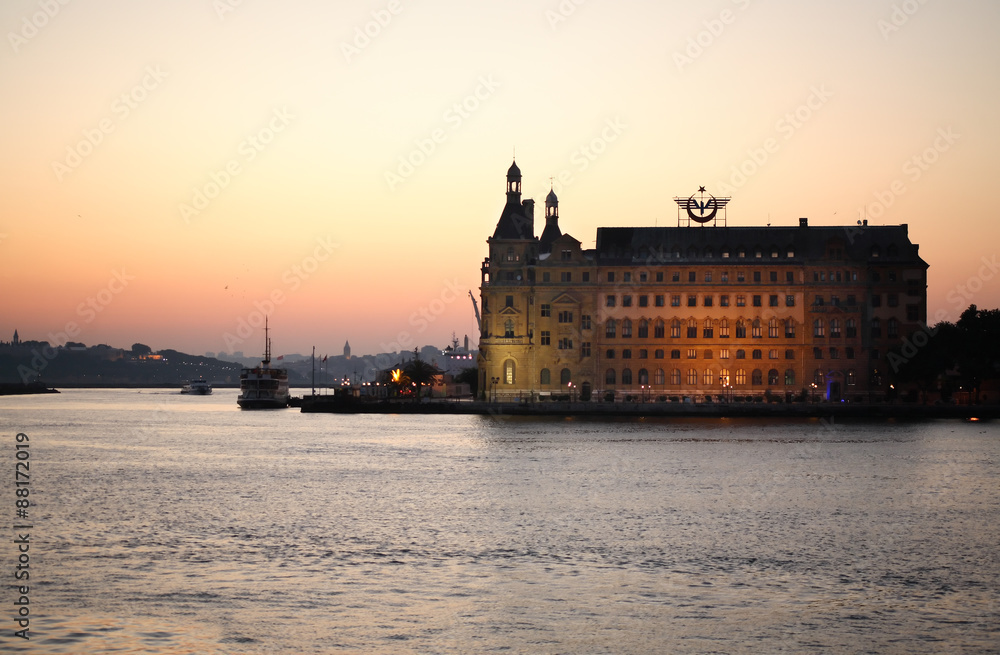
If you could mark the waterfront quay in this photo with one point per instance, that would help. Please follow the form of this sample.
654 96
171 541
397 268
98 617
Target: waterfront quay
336 405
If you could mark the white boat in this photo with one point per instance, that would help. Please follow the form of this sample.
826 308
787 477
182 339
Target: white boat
197 387
264 386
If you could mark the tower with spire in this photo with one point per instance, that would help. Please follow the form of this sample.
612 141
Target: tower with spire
551 231
529 319
347 350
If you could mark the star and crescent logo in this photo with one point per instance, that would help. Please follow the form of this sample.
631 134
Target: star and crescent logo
699 209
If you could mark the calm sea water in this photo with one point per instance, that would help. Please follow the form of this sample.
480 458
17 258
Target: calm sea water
174 524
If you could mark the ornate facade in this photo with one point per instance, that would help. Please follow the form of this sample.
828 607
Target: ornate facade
700 312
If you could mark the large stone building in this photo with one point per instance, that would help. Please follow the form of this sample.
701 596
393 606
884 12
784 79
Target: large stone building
699 312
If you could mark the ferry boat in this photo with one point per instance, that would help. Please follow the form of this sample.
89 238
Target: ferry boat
264 386
197 387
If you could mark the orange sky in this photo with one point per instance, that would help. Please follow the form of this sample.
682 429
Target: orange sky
167 171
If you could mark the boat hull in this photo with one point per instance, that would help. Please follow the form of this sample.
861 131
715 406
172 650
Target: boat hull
262 403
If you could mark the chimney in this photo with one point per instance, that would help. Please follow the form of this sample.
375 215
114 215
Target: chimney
803 222
865 224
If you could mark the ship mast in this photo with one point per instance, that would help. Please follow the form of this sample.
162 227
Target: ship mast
267 345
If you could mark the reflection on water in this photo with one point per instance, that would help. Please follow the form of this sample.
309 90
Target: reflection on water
174 524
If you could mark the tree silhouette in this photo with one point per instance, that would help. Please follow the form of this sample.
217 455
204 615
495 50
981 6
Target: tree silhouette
420 372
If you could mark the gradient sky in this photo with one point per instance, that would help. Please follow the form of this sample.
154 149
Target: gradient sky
115 114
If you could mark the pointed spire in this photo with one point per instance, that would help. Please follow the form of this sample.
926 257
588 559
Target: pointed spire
551 231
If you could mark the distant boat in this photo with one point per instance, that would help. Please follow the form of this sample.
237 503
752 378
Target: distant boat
264 387
197 387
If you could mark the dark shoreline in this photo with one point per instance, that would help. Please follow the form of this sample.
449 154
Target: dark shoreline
707 410
18 389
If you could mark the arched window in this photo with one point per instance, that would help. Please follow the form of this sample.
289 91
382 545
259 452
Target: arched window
707 332
724 329
675 377
851 328
724 377
610 354
545 377
564 377
790 329
757 377
658 353
508 329
756 328
643 376
627 376
772 377
789 377
609 376
508 372
626 329
610 328
692 331
819 328
675 354
741 329
692 377
658 377
708 377
675 328
818 377
757 354
658 329
835 328
741 354
643 329
772 328
741 377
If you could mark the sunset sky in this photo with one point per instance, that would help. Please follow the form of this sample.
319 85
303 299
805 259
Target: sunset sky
169 169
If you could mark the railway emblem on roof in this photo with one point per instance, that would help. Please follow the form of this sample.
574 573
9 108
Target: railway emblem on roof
700 209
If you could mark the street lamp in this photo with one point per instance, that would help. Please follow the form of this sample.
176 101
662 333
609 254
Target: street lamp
572 391
493 391
813 393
